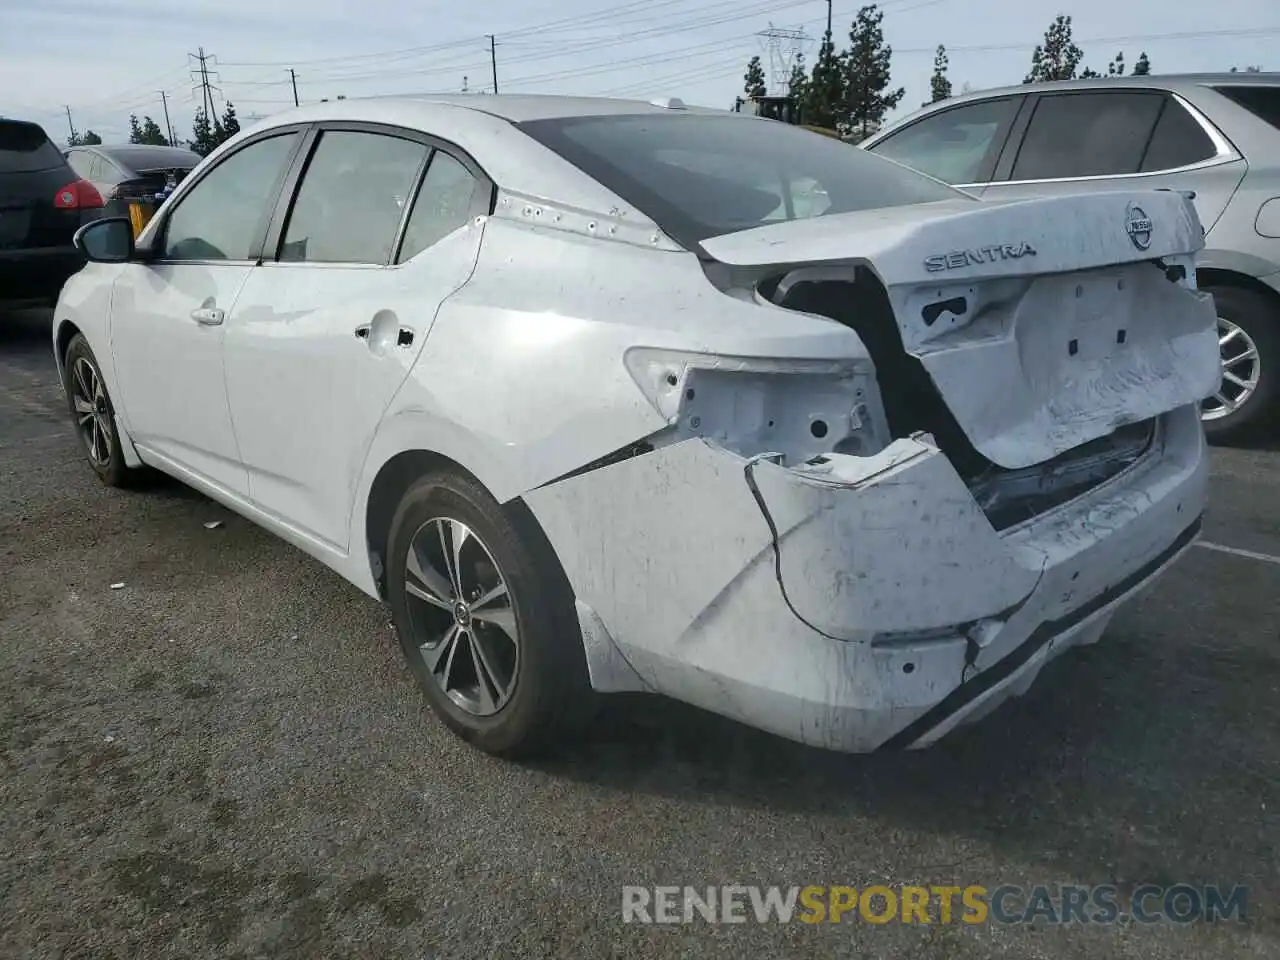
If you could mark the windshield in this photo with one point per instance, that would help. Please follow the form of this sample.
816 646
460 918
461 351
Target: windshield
699 176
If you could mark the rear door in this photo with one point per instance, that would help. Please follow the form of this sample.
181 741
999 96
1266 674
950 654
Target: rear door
381 229
1122 139
32 172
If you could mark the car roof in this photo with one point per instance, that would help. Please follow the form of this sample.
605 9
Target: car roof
516 108
1159 81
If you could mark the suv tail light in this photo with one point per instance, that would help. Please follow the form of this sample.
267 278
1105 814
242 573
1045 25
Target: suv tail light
79 195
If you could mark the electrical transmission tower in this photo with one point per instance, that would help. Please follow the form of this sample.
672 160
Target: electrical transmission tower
781 46
204 79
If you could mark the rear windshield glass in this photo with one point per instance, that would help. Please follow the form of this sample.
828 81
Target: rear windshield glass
1263 102
699 176
25 148
155 160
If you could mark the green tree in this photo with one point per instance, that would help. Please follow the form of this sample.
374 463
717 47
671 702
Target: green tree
230 123
1142 66
939 85
753 80
135 129
867 97
86 139
1058 57
824 93
203 136
1088 73
1247 69
798 82
1116 67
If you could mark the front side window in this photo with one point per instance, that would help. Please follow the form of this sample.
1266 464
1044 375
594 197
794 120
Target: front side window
956 144
445 202
1087 135
702 175
352 198
220 218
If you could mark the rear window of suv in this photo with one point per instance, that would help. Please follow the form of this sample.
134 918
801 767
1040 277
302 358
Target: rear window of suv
24 148
1262 101
701 175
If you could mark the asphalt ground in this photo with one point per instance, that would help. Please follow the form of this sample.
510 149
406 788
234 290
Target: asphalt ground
226 757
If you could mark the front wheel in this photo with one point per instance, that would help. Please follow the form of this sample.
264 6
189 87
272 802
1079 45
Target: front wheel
1248 400
485 617
93 413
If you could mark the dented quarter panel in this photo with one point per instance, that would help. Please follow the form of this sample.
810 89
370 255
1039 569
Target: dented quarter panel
561 335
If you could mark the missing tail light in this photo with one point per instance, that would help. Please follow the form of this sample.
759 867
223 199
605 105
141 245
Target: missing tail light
799 408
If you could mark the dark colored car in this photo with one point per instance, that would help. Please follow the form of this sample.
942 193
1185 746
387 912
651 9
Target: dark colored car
131 172
42 205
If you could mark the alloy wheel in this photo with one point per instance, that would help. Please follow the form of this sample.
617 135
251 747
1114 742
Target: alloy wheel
461 616
1240 371
93 414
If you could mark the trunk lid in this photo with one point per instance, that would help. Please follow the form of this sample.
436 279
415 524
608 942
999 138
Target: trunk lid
1044 323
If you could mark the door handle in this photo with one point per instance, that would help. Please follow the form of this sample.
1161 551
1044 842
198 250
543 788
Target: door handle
362 331
209 316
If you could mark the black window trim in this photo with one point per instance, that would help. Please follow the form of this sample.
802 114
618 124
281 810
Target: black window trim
269 254
302 133
1224 151
994 152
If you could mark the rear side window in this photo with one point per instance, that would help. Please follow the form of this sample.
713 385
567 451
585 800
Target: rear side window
702 175
352 198
1262 102
222 216
955 145
1087 135
1178 140
446 201
25 148
82 163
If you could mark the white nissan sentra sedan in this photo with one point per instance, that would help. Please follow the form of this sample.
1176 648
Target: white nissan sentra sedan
604 396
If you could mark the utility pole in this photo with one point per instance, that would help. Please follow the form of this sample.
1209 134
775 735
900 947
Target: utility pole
204 85
829 2
293 78
71 126
493 61
164 100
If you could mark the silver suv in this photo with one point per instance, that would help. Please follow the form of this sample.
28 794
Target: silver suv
1217 135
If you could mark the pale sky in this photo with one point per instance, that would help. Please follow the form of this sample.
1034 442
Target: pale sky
110 58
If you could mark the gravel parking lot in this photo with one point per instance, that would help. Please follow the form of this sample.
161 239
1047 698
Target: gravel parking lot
226 757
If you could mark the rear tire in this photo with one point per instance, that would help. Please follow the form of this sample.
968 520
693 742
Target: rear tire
93 414
1250 328
507 674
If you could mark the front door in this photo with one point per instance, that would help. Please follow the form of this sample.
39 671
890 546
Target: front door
323 336
169 315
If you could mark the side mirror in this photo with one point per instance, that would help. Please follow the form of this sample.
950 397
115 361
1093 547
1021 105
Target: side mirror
106 241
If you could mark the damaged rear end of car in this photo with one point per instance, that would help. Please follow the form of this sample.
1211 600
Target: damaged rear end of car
862 551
